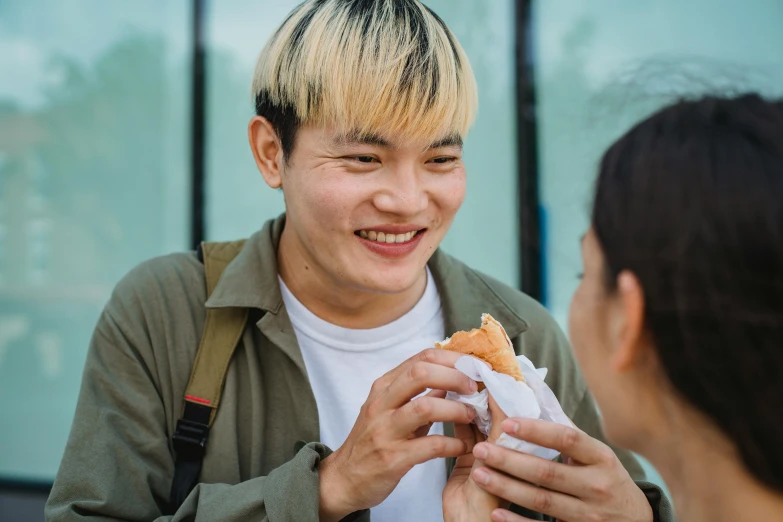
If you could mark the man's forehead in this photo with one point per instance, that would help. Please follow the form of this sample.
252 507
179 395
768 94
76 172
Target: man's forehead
452 139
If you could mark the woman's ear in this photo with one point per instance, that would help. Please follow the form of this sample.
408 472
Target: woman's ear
629 335
267 150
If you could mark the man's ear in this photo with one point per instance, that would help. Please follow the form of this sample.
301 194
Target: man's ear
267 150
630 339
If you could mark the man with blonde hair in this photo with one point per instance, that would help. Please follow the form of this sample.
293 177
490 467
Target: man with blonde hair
361 110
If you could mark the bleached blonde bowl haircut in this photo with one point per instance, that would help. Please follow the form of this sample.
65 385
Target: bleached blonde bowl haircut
365 67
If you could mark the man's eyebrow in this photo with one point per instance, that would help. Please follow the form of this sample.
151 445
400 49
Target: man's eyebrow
455 140
354 138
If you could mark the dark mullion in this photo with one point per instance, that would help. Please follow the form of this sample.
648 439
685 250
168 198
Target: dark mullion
10 485
197 125
531 271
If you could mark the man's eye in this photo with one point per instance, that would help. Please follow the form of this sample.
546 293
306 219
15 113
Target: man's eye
443 160
363 159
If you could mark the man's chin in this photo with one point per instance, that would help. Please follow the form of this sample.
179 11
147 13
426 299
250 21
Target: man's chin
389 283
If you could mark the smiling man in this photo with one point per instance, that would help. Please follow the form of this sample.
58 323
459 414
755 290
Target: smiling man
361 110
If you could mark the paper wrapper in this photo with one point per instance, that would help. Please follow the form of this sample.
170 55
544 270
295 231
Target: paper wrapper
532 399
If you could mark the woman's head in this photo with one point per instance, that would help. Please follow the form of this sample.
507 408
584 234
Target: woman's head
683 288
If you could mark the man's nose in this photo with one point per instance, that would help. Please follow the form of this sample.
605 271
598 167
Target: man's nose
403 193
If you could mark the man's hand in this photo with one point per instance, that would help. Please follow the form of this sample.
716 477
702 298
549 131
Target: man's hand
463 500
390 434
595 486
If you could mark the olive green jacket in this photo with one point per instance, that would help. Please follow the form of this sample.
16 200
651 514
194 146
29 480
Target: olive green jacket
263 452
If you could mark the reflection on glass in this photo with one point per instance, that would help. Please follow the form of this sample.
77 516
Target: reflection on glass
93 179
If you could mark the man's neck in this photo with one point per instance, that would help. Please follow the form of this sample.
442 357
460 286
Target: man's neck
707 479
339 304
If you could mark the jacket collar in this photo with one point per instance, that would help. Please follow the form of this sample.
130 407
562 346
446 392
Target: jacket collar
251 281
466 294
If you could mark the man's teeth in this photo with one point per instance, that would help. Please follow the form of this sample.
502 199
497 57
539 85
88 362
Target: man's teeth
387 238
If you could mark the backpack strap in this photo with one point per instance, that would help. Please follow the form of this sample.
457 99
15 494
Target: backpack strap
223 329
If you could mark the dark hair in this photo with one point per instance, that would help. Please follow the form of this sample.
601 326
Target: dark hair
690 200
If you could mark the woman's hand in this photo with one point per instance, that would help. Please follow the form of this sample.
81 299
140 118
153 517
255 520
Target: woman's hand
594 487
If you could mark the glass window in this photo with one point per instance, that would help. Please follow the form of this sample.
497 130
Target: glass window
94 148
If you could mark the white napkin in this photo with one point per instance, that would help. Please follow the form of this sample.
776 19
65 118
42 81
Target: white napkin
531 399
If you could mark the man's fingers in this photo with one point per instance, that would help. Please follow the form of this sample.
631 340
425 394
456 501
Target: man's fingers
425 410
444 358
424 430
436 356
497 420
552 475
567 440
430 355
422 375
467 434
439 394
535 498
464 463
503 515
431 447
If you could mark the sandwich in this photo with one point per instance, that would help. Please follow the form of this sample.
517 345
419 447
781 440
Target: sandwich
490 343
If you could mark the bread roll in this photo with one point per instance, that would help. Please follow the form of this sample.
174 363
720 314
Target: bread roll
490 343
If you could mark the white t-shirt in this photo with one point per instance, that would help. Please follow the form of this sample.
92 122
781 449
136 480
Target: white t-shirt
343 363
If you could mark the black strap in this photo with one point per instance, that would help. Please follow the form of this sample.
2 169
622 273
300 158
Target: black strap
190 442
186 474
222 331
